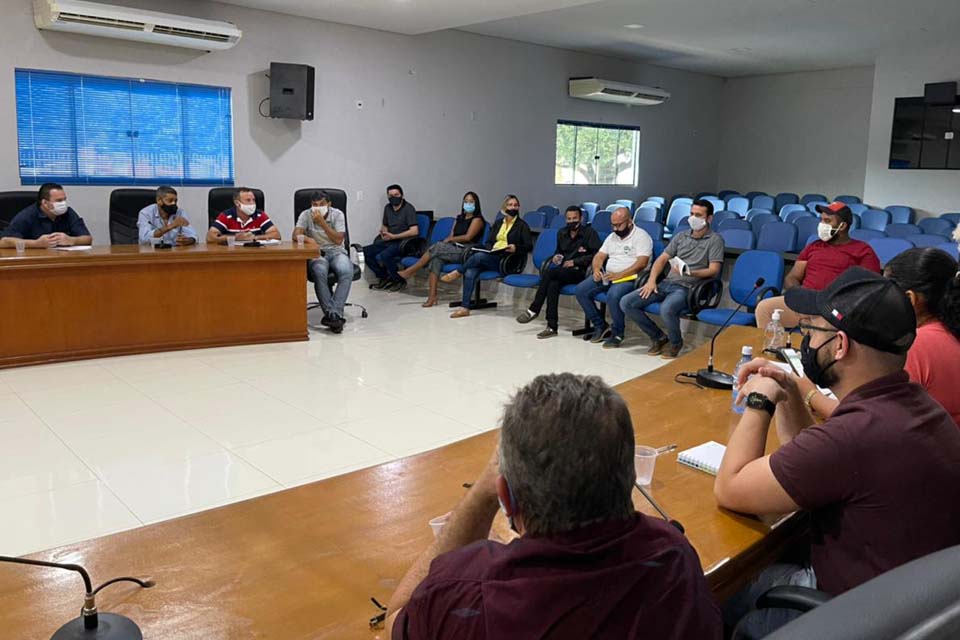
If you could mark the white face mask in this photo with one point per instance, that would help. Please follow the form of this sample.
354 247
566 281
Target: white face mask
60 208
248 209
696 224
825 232
323 209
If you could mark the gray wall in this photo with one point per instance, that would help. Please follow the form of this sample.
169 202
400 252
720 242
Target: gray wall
443 113
900 74
797 132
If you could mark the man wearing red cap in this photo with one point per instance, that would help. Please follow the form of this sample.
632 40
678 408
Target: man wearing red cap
822 261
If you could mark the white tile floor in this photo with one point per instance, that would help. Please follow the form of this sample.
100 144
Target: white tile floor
100 446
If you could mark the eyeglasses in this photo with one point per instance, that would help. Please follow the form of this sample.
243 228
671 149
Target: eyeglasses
805 329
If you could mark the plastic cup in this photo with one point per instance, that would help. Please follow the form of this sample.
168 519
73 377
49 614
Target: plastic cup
438 523
231 241
20 244
644 460
300 242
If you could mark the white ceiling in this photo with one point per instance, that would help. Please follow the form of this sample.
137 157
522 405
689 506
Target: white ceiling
720 37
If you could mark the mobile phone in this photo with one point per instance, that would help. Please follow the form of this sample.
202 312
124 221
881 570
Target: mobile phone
793 359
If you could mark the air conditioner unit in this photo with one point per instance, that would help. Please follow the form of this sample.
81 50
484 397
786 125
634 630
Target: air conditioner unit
618 92
109 21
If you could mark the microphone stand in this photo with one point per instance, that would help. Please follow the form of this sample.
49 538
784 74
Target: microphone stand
91 625
663 514
710 377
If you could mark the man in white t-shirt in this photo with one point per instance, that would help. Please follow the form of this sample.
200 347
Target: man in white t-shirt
626 252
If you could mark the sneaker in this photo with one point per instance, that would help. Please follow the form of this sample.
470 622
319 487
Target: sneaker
397 285
526 316
547 333
336 324
325 321
671 351
613 342
380 284
657 347
600 334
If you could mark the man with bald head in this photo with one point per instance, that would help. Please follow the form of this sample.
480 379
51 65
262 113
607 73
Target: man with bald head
624 254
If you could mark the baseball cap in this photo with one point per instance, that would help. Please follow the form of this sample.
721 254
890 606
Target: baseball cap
869 308
837 209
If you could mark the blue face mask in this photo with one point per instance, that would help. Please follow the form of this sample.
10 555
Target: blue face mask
469 207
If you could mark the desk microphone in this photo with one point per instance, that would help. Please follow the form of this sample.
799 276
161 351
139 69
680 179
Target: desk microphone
91 625
663 514
717 379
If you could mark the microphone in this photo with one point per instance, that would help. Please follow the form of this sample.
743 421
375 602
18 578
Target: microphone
717 379
663 514
87 626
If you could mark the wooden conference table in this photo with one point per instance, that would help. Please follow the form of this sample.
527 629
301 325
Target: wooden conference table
71 305
304 562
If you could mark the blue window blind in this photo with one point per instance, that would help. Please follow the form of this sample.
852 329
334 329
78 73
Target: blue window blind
80 129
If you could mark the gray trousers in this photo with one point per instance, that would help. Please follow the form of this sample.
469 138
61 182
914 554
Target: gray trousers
443 253
332 302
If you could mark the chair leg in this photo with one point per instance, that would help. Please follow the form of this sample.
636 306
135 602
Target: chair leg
587 328
477 302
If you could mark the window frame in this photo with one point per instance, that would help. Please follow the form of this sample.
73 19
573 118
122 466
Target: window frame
580 124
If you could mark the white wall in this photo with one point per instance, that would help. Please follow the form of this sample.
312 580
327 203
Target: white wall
444 113
796 132
900 74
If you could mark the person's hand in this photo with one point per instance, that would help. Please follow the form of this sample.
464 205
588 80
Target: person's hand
178 222
182 241
245 236
762 384
47 241
511 248
568 264
317 216
649 289
597 275
557 259
62 239
763 367
386 235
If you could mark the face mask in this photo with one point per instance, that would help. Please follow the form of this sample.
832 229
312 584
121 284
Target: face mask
60 208
573 226
511 212
811 366
395 201
825 232
696 224
322 209
170 209
469 207
623 233
248 209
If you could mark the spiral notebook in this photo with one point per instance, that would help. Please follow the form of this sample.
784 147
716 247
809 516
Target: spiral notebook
705 457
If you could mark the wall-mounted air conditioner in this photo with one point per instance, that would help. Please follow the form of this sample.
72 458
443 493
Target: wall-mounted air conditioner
109 21
618 92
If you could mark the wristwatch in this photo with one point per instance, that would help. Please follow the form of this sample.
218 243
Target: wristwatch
759 401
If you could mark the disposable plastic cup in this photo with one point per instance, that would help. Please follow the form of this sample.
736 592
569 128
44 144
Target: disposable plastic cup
231 241
21 245
438 523
645 458
300 242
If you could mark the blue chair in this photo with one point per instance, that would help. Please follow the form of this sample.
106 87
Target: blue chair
729 196
789 208
734 223
678 211
858 208
748 267
704 194
680 199
755 212
659 199
626 203
653 204
806 227
813 204
761 220
876 219
535 219
954 218
937 226
812 197
737 238
447 268
763 201
900 214
720 216
848 199
549 210
901 230
558 222
543 250
739 205
793 216
601 221
866 235
718 204
753 194
646 214
441 229
723 195
779 237
811 239
612 207
653 229
925 240
683 225
889 248
855 222
951 248
785 199
589 209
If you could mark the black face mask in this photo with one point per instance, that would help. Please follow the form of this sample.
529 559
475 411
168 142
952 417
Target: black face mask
170 209
511 212
573 226
395 201
811 366
623 233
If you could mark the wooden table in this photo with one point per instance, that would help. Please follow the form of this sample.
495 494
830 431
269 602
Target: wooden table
65 305
303 563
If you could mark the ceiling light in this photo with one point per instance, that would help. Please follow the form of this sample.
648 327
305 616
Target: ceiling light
633 26
956 109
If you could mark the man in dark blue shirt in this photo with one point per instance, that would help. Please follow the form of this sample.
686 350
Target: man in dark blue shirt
48 223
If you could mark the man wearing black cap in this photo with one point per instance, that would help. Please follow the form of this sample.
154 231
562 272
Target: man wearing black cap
881 477
822 261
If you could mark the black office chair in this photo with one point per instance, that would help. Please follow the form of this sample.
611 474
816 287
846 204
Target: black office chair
125 206
12 203
919 600
219 199
338 198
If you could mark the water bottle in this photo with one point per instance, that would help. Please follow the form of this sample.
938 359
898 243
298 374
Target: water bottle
774 337
746 355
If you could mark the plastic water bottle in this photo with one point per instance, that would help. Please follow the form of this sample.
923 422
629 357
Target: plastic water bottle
746 355
774 337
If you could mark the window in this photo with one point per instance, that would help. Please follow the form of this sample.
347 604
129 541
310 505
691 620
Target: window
79 129
596 154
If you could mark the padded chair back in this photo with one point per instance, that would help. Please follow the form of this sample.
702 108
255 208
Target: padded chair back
954 218
683 225
486 232
784 199
760 220
793 216
720 216
917 600
535 219
763 201
681 197
704 194
755 212
937 226
549 210
748 268
889 248
653 229
811 239
301 202
848 199
737 238
441 229
718 204
949 247
612 207
813 204
125 206
730 195
812 197
219 199
646 214
656 204
12 203
900 214
875 219
545 247
787 209
806 227
901 230
601 221
558 222
778 237
727 192
857 208
589 209
734 223
626 203
739 205
753 194
659 199
925 240
423 225
866 235
678 211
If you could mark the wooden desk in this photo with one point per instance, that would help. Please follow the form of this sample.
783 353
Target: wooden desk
303 563
63 305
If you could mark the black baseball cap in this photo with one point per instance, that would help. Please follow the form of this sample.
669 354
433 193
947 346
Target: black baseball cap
837 209
869 308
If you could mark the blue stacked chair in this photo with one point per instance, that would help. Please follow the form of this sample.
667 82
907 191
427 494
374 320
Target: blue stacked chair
793 216
558 222
727 192
601 221
737 238
812 197
730 196
543 250
550 211
889 248
683 225
900 213
626 203
659 199
813 204
704 194
653 229
858 208
901 230
756 212
951 248
720 216
678 211
866 235
848 200
748 267
761 220
739 205
646 214
589 209
784 199
681 198
876 219
924 240
535 219
734 223
811 239
447 268
779 237
787 209
718 204
937 226
612 207
655 204
806 227
763 201
441 229
753 194
954 218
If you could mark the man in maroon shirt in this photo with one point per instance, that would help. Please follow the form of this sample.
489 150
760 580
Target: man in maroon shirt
586 565
881 477
822 261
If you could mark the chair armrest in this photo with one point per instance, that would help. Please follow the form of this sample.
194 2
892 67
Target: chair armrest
705 294
769 292
513 263
644 277
801 599
413 246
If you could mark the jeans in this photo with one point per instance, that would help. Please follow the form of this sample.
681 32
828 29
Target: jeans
383 258
332 303
549 290
673 303
766 621
471 270
588 290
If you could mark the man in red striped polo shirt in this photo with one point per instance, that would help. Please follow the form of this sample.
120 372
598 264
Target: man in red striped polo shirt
243 221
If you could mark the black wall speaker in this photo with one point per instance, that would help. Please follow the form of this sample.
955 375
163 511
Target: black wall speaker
291 91
940 93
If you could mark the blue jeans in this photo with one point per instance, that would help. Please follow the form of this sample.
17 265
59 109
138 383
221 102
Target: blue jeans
672 297
766 621
588 290
332 303
383 258
471 270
